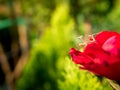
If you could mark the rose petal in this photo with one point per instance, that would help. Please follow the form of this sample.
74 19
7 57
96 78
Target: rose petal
104 35
80 58
112 45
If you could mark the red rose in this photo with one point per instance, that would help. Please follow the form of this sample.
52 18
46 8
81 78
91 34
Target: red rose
101 56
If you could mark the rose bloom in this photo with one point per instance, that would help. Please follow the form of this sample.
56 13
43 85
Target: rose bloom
100 56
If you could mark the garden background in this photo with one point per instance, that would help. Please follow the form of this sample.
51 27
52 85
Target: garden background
53 27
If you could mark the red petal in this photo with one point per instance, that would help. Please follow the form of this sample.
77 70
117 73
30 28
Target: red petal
111 72
98 55
112 45
79 58
104 35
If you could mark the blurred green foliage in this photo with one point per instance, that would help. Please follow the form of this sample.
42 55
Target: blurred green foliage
54 44
101 14
50 67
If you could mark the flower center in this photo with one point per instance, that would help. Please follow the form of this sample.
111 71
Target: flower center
84 41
